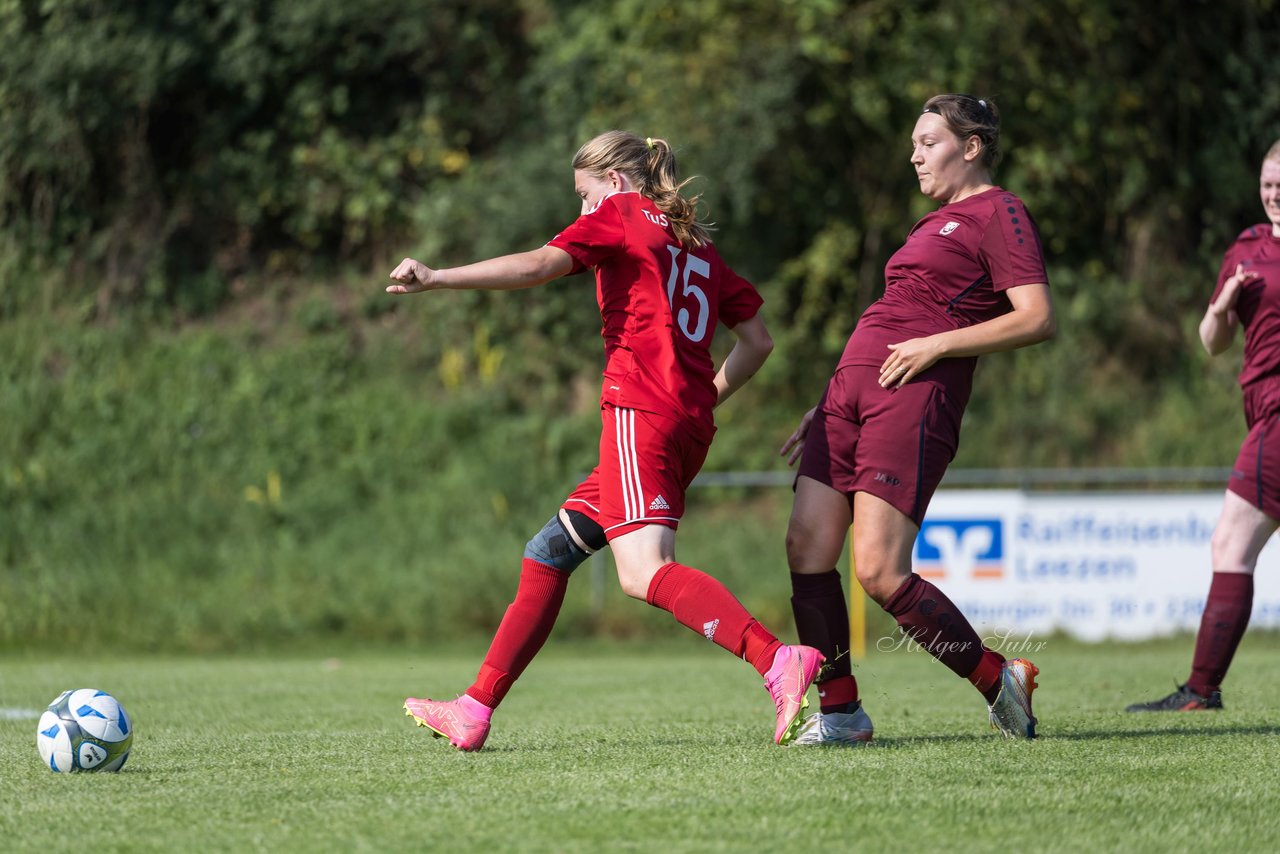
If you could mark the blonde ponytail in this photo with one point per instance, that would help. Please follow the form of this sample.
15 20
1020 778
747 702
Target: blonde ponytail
650 164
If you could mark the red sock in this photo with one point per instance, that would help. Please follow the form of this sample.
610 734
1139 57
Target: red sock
929 618
1226 615
523 630
707 607
822 622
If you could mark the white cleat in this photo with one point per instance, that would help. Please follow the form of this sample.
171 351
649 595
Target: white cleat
838 729
1011 712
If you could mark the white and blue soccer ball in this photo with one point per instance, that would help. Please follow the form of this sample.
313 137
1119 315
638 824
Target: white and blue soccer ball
84 730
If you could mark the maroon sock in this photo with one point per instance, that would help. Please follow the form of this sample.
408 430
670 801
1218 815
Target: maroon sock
986 675
707 607
1226 615
523 630
822 622
929 618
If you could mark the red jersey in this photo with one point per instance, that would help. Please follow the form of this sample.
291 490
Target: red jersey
660 302
1258 305
951 273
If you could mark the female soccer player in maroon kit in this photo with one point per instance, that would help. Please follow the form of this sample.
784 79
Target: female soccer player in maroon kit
662 288
969 280
1247 295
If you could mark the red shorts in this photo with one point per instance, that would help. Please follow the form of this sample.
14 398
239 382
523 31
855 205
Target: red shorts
893 443
647 461
1255 477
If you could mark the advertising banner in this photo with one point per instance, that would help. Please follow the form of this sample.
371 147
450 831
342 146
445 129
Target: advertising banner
1092 565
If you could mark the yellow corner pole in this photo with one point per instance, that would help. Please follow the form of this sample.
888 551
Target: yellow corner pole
857 611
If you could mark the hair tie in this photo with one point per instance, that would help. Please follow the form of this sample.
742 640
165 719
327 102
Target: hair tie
648 141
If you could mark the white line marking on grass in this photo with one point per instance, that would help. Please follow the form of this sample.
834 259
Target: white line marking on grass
18 714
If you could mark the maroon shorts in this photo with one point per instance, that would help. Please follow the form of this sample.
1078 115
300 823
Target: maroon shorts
647 461
893 443
1255 477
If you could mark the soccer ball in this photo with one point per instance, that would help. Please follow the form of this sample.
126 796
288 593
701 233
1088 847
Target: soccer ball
84 730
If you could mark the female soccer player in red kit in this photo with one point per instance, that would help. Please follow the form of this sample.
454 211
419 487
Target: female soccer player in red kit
662 289
1247 295
969 280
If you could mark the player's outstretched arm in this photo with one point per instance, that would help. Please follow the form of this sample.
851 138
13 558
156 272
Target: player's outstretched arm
749 352
507 273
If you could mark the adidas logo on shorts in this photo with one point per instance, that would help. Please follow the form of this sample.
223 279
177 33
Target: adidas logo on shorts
709 629
659 503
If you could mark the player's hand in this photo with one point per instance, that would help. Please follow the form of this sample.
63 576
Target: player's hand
1231 289
907 360
413 277
795 442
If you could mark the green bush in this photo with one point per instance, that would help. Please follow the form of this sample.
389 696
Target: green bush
153 144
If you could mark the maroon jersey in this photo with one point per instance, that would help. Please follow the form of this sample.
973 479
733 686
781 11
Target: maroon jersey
660 302
1258 305
951 273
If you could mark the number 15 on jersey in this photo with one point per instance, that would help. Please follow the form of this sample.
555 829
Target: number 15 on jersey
693 266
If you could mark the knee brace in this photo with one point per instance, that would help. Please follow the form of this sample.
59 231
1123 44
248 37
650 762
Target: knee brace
566 541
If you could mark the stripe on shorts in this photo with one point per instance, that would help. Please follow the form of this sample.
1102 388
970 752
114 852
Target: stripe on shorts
594 509
629 464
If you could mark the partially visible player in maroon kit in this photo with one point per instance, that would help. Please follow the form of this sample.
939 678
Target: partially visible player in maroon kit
1248 296
662 289
969 280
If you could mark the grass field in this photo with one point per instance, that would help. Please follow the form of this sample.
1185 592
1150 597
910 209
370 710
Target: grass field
637 747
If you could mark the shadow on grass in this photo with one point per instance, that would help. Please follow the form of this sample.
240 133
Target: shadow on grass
1089 735
1196 731
895 741
890 743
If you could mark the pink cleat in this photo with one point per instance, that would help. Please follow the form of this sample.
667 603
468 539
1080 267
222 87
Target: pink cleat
793 671
464 721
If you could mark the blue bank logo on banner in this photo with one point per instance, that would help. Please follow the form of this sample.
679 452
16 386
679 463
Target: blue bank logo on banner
960 548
